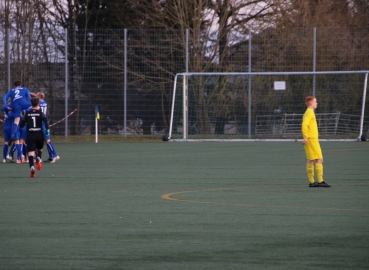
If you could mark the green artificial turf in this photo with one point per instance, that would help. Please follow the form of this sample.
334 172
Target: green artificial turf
165 205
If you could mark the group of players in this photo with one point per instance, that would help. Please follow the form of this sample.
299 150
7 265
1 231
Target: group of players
28 132
34 130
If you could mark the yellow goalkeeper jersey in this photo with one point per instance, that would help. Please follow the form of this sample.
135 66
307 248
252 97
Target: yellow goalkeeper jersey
309 125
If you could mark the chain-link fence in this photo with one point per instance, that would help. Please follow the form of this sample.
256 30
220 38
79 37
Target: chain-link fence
129 73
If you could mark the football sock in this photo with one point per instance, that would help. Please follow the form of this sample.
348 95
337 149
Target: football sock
12 150
31 161
14 129
25 149
51 150
5 150
319 172
19 151
310 172
39 154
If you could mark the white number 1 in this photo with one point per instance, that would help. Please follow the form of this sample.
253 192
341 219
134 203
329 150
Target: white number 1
34 121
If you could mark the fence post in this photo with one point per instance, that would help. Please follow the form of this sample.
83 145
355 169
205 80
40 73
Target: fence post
185 107
66 81
125 85
187 44
185 91
314 59
7 52
249 89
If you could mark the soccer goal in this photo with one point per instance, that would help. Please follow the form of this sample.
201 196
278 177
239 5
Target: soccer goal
267 105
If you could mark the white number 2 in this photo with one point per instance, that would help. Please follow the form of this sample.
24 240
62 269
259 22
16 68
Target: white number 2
17 96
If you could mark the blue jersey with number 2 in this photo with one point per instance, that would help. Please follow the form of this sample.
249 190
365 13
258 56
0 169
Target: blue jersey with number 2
17 95
20 99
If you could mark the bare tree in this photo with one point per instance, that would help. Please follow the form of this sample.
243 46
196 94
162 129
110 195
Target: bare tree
33 36
215 26
341 48
66 13
311 13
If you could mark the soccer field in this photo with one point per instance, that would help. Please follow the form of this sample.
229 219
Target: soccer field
164 205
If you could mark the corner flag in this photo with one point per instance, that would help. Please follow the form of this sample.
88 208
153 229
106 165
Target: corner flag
97 114
97 117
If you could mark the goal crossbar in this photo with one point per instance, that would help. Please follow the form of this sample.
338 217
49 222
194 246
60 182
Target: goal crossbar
185 76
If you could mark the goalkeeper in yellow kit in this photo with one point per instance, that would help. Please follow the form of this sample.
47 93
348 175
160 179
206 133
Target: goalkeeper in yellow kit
311 144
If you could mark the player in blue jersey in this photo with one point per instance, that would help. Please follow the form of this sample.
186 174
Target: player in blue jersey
53 156
20 100
12 150
8 121
18 142
23 145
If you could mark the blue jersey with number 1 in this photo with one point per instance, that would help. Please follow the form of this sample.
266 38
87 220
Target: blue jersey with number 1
43 106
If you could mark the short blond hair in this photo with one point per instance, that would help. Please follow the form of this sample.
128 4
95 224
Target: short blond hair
40 95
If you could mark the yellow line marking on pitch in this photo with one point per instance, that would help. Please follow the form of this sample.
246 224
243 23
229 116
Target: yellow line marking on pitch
169 197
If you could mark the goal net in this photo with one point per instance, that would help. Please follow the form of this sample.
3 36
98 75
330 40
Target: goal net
267 105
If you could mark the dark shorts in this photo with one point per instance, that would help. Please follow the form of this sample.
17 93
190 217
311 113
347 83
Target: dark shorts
35 141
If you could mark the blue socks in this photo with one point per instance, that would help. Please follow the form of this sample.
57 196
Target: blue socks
19 150
12 150
14 130
25 150
51 150
5 150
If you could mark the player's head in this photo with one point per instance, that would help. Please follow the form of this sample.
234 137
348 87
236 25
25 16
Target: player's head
40 95
17 83
34 101
311 101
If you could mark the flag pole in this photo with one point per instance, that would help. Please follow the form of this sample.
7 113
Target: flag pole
97 117
96 130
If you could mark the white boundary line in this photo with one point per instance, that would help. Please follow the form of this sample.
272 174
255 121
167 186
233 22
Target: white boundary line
259 140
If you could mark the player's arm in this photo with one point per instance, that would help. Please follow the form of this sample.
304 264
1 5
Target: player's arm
32 94
5 98
305 127
46 122
28 94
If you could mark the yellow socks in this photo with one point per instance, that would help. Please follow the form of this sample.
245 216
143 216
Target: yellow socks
319 172
310 172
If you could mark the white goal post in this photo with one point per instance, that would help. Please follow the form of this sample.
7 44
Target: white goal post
218 106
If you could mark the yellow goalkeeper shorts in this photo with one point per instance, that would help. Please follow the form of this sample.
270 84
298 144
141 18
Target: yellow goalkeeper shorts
313 150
